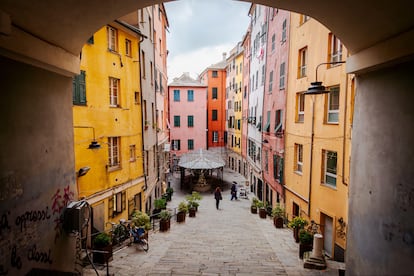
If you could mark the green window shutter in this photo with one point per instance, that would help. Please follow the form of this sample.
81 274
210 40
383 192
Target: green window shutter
82 87
74 90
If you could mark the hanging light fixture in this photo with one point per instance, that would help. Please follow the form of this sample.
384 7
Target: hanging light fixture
94 144
316 87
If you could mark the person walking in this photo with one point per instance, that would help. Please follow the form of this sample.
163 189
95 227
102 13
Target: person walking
233 191
217 196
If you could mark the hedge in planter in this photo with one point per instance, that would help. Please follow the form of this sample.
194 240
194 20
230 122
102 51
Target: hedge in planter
253 207
182 211
296 224
141 220
305 242
278 214
102 242
165 218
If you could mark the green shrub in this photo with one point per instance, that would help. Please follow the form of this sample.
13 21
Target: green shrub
298 222
102 239
165 215
182 207
305 237
142 220
160 203
278 211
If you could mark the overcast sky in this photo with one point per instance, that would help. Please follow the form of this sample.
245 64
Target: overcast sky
200 31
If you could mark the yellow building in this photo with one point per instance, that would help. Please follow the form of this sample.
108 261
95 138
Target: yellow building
317 145
107 112
238 97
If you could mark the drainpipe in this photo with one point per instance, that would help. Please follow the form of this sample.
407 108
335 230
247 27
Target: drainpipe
142 131
344 138
311 154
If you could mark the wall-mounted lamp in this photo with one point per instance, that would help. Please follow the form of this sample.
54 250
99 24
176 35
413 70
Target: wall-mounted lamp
316 87
82 171
94 144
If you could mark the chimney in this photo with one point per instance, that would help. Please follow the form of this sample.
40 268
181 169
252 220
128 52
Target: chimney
224 56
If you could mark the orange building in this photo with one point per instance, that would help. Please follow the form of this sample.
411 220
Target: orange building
214 77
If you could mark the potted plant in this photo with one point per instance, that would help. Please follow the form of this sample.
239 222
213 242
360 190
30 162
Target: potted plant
141 220
262 209
103 245
296 224
193 202
169 193
253 207
278 214
182 211
305 242
192 208
165 217
159 204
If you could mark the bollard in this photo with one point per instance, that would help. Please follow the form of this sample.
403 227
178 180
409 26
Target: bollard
317 246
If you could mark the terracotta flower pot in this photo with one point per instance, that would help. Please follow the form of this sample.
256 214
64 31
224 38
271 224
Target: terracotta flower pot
262 213
181 216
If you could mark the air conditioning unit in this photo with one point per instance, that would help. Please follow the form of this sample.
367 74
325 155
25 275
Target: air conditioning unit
76 216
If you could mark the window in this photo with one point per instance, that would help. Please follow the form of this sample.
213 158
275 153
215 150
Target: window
263 74
270 81
214 115
132 155
176 144
152 73
177 121
335 50
278 121
214 74
113 92
190 121
79 89
329 161
215 136
113 152
300 107
176 95
266 160
267 127
143 72
298 157
284 31
190 144
112 38
257 78
302 62
190 95
137 97
277 168
333 105
282 76
116 204
214 93
273 42
128 50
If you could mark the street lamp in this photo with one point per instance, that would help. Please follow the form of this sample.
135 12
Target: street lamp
316 88
94 144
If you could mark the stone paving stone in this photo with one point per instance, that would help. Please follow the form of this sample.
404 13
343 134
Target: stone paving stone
229 241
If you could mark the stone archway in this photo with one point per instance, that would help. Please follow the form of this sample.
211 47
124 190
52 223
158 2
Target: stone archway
40 43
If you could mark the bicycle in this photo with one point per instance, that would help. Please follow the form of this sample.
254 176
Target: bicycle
137 237
119 232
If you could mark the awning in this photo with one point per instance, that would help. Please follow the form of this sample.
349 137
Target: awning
201 159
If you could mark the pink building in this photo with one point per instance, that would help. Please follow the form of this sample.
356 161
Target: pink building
245 100
274 104
187 115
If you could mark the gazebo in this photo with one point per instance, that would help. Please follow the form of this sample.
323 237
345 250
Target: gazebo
198 162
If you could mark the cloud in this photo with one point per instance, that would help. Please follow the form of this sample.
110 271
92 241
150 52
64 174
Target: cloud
200 29
196 61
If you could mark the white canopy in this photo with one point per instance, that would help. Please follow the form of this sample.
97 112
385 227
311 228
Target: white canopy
201 159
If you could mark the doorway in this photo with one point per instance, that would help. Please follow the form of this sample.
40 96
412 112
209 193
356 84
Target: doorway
327 233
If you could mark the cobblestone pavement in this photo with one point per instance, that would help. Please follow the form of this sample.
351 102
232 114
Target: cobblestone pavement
229 241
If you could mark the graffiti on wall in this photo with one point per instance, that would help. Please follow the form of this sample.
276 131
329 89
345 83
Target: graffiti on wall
23 250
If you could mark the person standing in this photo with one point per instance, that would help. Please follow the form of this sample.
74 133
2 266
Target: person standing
218 197
233 191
